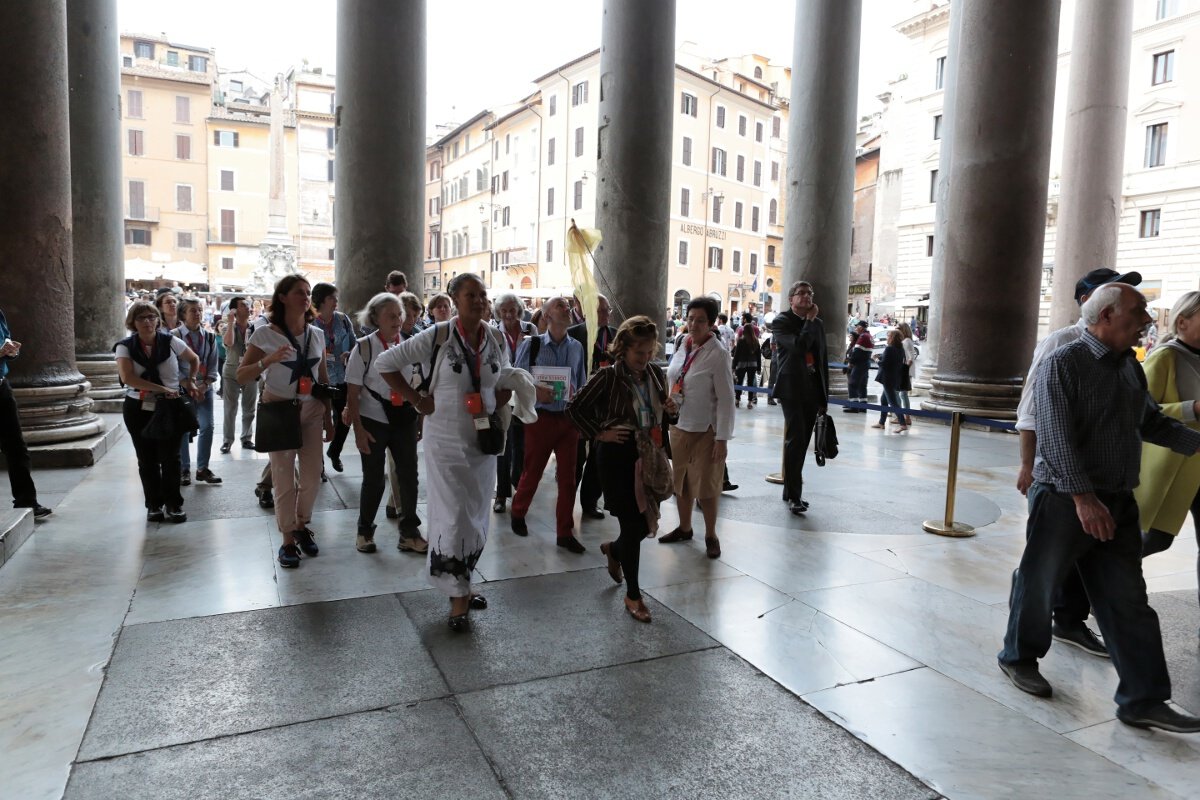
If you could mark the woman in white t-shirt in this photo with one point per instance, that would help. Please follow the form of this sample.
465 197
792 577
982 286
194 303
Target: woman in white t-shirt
382 423
289 356
148 363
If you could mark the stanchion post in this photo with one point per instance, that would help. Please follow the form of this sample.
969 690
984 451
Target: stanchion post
948 527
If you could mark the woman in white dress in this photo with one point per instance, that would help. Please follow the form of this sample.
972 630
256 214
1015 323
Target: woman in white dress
468 363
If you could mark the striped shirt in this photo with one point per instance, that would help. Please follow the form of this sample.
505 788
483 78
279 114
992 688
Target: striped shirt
1093 412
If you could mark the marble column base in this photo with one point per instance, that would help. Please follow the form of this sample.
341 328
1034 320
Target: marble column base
925 373
100 370
56 413
993 400
838 387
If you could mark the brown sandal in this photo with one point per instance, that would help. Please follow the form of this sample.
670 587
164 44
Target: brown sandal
638 610
614 566
712 547
677 535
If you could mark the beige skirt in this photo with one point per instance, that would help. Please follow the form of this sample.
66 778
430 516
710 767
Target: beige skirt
692 461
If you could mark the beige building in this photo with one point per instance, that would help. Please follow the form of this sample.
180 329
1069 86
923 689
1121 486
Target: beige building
431 282
309 95
466 198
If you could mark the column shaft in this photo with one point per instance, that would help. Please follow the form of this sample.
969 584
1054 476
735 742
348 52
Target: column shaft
93 57
820 160
35 223
1094 149
380 121
996 207
636 114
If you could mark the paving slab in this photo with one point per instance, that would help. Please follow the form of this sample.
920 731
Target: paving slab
697 725
191 679
1179 618
420 752
548 625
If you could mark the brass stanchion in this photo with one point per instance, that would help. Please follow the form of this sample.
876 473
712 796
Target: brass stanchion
948 527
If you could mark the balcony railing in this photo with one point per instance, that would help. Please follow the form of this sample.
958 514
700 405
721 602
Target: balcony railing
141 213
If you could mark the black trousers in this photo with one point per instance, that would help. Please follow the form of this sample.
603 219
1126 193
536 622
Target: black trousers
799 417
587 474
401 440
340 429
746 376
510 463
16 453
856 381
158 459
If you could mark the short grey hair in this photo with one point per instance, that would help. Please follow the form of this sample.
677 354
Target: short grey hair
369 315
1185 308
1106 296
503 299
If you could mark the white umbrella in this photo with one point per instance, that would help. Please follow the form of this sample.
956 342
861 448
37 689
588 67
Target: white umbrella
1163 303
186 272
139 269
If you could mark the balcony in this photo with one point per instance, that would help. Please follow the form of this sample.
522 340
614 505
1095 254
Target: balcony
141 214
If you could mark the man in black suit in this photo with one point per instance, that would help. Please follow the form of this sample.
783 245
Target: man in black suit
802 385
587 478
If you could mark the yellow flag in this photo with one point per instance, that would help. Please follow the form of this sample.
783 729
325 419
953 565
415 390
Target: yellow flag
580 245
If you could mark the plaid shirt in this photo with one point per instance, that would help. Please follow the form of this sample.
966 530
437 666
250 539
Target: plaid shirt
1093 411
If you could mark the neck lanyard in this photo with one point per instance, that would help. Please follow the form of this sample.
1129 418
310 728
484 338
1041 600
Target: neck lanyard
471 349
296 345
386 343
512 342
643 390
330 332
199 349
688 358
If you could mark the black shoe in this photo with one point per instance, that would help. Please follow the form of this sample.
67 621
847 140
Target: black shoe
519 527
771 401
797 506
572 544
1161 716
154 515
460 624
848 410
185 478
500 505
174 515
289 556
266 498
1027 678
304 538
478 602
729 487
335 462
392 513
1080 636
40 511
592 513
226 447
677 535
324 477
206 476
247 443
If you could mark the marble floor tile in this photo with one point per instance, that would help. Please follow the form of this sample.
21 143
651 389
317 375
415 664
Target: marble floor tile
960 638
974 568
1167 759
967 746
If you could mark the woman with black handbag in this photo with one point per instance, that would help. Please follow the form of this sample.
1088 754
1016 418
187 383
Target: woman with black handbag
289 356
148 364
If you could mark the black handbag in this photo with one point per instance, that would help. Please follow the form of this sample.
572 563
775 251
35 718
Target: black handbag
491 438
172 418
825 443
277 426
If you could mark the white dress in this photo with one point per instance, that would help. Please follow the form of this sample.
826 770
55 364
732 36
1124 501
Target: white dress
460 476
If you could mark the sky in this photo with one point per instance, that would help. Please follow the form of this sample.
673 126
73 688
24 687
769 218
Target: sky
484 54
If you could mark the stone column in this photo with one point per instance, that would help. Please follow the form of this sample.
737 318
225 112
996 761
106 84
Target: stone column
820 161
996 206
380 119
98 248
35 223
927 364
1094 149
637 112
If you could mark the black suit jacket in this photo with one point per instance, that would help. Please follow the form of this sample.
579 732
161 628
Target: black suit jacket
598 357
793 337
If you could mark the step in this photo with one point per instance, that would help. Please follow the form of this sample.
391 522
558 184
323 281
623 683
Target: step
16 524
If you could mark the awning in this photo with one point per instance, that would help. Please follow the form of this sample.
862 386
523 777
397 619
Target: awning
186 272
899 302
139 269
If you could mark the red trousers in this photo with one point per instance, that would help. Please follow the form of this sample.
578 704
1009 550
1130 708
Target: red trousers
552 433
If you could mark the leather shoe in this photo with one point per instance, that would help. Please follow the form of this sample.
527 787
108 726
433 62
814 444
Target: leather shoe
1161 716
477 602
614 566
154 515
677 535
174 515
226 447
637 609
519 527
592 513
1027 678
1080 636
247 443
572 544
797 506
335 462
500 505
729 487
712 547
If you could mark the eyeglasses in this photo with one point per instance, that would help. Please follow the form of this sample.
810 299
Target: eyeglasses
146 318
801 292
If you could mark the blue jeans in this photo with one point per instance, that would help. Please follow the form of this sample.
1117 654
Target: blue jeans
887 398
1112 572
204 412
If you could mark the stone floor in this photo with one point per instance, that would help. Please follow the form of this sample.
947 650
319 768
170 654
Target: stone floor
845 654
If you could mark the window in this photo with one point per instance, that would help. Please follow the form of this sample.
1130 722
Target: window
183 197
1156 145
683 252
225 138
236 86
483 236
481 179
758 131
933 176
939 73
578 195
507 143
775 171
549 250
506 216
173 59
579 93
773 213
550 153
736 264
716 209
138 236
137 143
937 126
183 147
183 240
929 247
137 200
740 172
1165 8
776 124
504 180
126 61
226 180
133 104
688 104
143 49
758 73
330 141
331 254
715 254
742 123
578 142
718 161
228 225
434 167
685 202
1150 223
183 109
553 104
687 151
550 202
754 263
754 218
737 215
1164 68
198 63
329 170
720 116
770 254
758 173
226 263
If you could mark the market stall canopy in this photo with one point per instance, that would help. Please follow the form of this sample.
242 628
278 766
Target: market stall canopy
139 269
185 272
